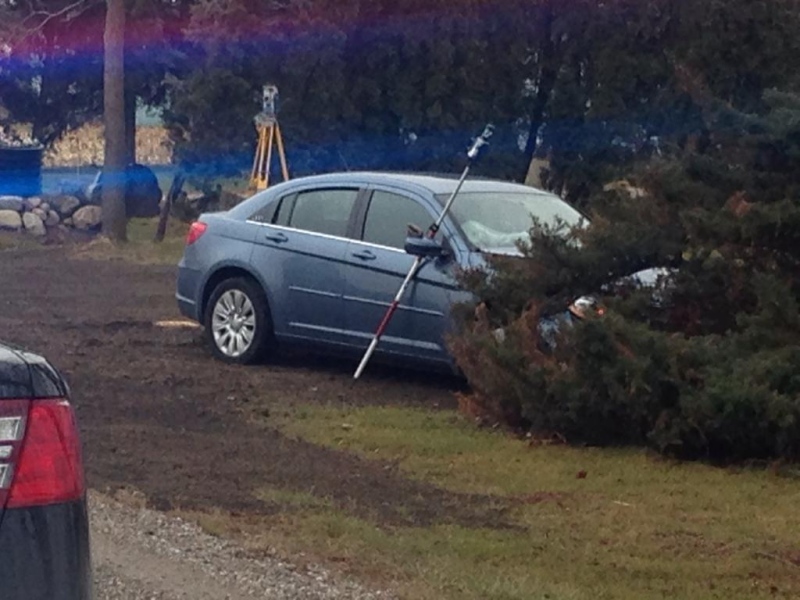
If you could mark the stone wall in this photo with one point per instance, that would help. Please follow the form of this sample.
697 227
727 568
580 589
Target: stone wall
40 215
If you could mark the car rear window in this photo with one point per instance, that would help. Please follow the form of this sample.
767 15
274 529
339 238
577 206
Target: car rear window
283 211
266 213
15 377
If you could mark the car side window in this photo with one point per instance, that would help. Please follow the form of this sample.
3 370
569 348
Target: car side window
388 217
323 211
283 211
266 213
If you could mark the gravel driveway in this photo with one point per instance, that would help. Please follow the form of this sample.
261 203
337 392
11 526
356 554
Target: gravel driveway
141 554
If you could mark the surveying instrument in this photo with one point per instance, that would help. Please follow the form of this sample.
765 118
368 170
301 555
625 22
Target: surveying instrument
269 135
472 155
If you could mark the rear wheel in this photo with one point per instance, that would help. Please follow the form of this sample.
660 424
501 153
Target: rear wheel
237 322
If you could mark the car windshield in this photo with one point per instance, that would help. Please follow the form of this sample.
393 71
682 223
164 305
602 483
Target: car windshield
496 221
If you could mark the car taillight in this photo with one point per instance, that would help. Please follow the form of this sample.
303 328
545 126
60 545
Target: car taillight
195 231
40 456
13 414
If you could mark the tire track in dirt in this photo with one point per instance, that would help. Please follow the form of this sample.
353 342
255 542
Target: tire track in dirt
160 415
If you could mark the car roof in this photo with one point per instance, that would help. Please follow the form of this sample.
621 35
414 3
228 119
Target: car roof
434 183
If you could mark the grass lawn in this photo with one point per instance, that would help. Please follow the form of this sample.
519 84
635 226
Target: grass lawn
140 247
582 523
12 240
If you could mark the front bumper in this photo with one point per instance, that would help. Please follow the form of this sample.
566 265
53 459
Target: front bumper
44 553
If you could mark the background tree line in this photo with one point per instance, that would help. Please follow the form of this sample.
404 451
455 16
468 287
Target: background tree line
588 85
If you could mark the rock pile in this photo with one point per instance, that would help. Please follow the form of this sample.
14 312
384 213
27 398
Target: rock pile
38 214
80 209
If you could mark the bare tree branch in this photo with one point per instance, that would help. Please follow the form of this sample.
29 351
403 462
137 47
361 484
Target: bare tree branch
25 28
70 12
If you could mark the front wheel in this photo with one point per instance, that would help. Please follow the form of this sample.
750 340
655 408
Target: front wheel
237 323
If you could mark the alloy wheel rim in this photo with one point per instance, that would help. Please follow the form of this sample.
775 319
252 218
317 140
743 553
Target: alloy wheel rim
233 323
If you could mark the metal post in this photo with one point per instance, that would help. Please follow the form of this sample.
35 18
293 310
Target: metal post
472 155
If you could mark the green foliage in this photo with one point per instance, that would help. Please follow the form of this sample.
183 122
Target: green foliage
43 80
711 369
51 71
592 87
229 98
364 84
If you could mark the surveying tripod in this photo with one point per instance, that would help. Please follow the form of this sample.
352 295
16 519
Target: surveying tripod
269 134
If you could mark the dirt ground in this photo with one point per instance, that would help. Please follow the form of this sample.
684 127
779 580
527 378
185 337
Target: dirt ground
158 414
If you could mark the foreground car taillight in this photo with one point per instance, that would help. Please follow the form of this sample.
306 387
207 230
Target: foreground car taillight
196 230
40 456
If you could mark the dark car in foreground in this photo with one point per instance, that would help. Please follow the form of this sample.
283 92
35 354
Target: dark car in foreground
317 260
44 526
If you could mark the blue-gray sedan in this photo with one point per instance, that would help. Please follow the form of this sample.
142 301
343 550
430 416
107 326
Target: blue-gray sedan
317 260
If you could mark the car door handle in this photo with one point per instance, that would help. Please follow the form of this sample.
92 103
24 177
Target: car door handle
365 255
277 237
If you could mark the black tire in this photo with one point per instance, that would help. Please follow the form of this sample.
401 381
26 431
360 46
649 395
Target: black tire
227 292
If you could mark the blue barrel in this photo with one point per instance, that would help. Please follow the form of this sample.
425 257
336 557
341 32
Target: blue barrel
21 171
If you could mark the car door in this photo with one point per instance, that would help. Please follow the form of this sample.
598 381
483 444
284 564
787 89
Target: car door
300 255
376 267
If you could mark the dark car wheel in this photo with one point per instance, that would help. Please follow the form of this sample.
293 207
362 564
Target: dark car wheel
237 323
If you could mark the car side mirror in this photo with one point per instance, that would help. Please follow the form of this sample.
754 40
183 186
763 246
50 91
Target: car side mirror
424 247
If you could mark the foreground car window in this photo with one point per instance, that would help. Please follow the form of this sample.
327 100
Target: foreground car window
388 217
323 211
498 220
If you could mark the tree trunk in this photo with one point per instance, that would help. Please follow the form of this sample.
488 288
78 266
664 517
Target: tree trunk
114 218
548 74
130 124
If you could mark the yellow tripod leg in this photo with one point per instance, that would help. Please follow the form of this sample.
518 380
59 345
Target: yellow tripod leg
264 184
258 163
255 162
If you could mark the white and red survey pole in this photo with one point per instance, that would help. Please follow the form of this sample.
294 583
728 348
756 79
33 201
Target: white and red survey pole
472 155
